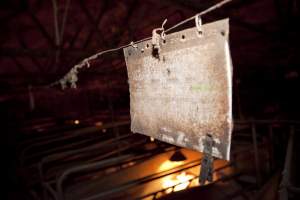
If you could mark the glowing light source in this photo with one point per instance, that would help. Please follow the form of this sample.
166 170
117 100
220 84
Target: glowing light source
169 165
180 182
76 121
98 124
152 139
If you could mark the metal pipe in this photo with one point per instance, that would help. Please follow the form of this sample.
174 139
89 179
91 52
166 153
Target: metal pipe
70 135
271 149
67 129
132 159
81 168
63 155
50 190
144 180
67 147
128 185
195 178
256 156
285 182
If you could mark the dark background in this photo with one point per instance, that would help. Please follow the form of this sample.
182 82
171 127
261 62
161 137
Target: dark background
40 42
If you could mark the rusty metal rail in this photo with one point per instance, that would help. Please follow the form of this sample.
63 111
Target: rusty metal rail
286 187
144 180
82 155
88 167
69 135
254 132
154 195
85 144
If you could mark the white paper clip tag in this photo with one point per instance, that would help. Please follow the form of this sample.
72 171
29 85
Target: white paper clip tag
184 93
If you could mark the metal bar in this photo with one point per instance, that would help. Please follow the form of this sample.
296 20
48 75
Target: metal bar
62 155
271 148
285 182
64 20
256 156
54 133
71 153
57 34
145 180
207 161
138 158
195 178
56 28
102 163
72 134
73 145
121 149
50 190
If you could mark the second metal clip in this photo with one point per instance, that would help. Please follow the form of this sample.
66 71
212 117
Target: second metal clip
207 161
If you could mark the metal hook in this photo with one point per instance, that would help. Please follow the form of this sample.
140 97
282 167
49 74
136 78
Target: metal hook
133 44
198 22
156 39
163 34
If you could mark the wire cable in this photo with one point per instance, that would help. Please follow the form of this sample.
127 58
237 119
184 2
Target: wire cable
71 76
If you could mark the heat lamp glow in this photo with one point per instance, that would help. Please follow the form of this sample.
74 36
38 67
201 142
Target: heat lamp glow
169 165
99 124
181 181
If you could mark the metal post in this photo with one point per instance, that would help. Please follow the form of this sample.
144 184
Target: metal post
285 182
60 179
257 165
207 161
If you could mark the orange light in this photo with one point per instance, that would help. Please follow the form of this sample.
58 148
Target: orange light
169 165
184 180
98 124
181 181
76 121
152 139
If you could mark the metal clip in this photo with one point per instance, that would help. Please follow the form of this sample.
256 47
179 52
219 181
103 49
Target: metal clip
198 22
156 39
207 161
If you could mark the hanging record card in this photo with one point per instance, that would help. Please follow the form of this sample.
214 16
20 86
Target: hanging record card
183 92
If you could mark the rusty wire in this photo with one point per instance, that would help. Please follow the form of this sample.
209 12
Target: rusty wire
71 77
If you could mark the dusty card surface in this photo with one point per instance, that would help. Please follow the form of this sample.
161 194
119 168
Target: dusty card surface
186 92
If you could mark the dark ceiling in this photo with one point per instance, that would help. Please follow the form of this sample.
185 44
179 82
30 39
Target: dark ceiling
42 40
